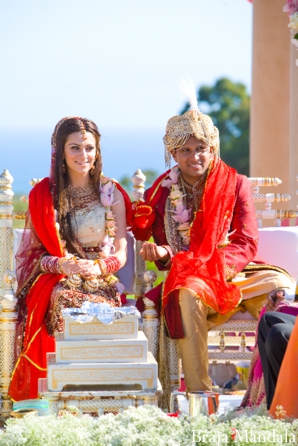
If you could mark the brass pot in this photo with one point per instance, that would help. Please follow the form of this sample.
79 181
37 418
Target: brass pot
199 402
205 403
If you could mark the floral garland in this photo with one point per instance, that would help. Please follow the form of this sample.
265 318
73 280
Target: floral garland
291 8
180 214
107 189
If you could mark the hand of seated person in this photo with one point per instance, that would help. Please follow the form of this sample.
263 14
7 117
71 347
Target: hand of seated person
151 252
86 268
274 298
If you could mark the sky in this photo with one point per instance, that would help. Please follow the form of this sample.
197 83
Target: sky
117 62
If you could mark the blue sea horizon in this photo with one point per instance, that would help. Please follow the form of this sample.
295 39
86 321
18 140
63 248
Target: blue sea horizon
27 153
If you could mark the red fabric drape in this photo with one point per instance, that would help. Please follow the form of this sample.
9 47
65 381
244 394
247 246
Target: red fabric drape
202 268
143 214
205 261
127 202
31 364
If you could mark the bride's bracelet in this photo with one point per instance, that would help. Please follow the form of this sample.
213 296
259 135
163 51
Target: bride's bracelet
109 265
52 264
113 264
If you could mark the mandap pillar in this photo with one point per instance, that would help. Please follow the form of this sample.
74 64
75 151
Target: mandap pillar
293 143
274 103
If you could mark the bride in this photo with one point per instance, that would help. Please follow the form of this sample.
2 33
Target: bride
73 244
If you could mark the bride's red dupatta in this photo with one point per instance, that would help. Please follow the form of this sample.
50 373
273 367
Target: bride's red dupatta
31 364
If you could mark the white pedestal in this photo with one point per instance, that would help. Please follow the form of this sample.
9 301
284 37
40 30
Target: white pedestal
140 376
104 350
123 328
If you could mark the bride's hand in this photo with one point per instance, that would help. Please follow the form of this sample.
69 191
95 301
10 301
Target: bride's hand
86 268
274 298
69 267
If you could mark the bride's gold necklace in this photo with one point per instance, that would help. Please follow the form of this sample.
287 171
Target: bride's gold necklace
82 196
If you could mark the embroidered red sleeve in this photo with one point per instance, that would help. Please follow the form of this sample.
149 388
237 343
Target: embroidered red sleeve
244 241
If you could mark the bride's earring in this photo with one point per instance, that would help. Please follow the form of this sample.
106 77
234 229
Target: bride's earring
64 166
92 170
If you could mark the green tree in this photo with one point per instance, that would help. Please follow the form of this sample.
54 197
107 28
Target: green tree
228 104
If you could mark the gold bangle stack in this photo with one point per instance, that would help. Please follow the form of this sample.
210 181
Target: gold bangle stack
102 266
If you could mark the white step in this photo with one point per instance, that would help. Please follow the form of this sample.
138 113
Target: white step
97 403
140 375
125 328
102 350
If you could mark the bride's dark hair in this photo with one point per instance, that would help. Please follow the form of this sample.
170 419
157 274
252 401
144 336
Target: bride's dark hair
59 176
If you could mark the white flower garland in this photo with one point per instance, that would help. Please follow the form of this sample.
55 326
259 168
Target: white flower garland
181 214
107 189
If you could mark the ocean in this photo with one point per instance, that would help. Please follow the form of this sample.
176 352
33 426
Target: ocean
26 153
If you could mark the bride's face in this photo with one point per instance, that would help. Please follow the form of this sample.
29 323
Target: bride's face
79 153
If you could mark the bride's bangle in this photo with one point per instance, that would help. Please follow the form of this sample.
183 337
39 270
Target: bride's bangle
109 265
102 266
113 264
52 264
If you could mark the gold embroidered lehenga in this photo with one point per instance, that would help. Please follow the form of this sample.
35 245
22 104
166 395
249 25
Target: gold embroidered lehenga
88 223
